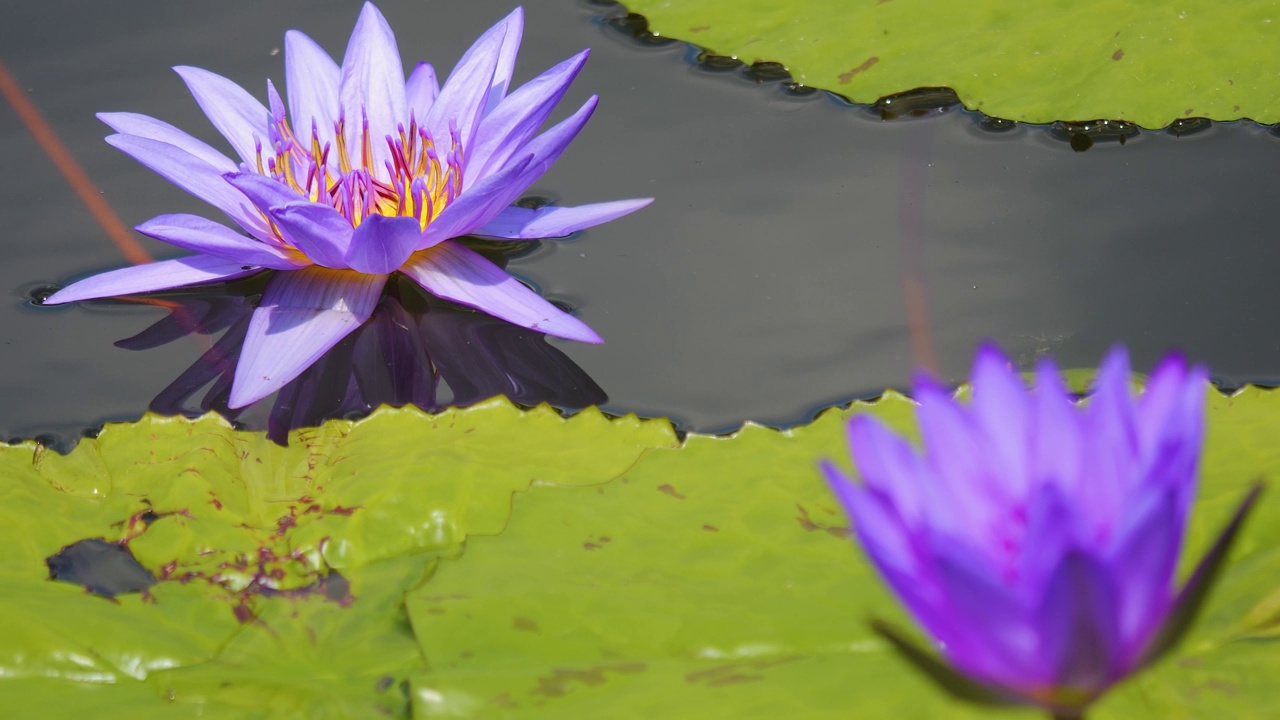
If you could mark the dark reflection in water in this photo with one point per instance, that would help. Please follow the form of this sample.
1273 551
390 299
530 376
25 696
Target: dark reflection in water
415 350
765 282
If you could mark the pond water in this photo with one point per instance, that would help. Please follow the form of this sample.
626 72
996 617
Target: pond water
801 251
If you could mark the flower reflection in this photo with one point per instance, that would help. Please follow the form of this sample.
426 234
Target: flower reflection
414 350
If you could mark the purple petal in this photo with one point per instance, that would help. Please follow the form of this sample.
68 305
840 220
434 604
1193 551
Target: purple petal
1111 465
966 499
545 149
876 520
482 203
153 129
456 273
421 90
382 244
465 92
995 638
1080 644
889 464
161 275
372 84
512 123
319 231
1001 407
196 177
518 223
192 232
240 118
466 212
506 59
303 313
1145 557
1057 437
311 79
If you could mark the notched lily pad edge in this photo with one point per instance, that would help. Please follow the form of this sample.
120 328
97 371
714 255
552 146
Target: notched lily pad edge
1077 381
913 103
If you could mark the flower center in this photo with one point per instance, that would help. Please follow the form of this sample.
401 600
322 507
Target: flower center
412 180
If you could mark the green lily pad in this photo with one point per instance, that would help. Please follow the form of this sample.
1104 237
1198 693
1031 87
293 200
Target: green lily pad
719 580
494 562
1147 63
281 570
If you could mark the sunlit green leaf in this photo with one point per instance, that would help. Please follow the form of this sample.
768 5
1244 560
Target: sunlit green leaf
501 563
1147 62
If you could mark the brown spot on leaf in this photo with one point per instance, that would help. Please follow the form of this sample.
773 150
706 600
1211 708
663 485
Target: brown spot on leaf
1117 54
847 77
699 28
524 624
1235 108
711 528
1188 112
670 490
436 611
735 673
808 523
561 680
590 546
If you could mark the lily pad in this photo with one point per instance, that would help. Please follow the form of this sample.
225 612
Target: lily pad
495 562
1147 63
719 580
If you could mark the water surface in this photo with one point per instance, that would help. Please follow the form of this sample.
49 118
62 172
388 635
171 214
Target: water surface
765 282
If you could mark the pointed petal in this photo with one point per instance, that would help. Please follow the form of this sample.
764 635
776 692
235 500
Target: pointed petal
517 223
954 682
236 114
319 231
455 273
162 275
482 203
505 130
195 176
1002 407
1145 555
545 150
889 464
311 79
192 232
1191 598
372 84
303 313
382 244
153 129
421 90
1080 640
501 82
467 212
465 92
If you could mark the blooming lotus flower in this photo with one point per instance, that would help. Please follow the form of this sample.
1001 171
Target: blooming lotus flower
1034 539
366 174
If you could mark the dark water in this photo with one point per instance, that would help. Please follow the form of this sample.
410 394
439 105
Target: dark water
798 250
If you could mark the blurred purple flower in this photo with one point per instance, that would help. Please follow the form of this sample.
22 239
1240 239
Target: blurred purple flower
373 174
1034 539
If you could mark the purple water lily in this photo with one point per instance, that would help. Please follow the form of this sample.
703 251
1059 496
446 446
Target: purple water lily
1036 540
365 175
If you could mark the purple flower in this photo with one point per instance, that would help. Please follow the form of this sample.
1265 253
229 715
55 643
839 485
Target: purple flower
1036 540
365 175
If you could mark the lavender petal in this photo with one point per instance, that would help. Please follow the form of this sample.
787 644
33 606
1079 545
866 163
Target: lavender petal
311 80
382 244
372 83
153 129
192 232
161 275
232 110
303 313
455 273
